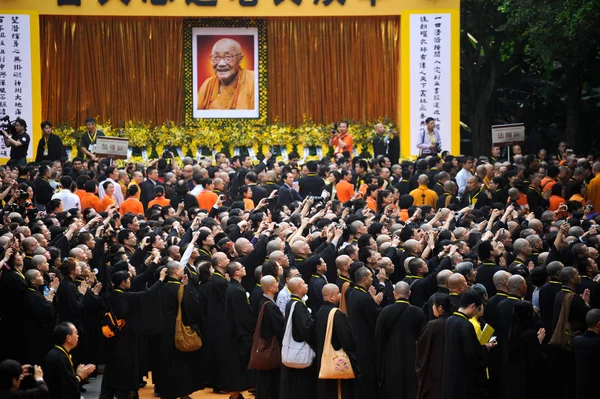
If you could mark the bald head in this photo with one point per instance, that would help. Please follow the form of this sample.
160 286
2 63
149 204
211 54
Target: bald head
442 278
342 262
401 290
295 285
331 293
457 283
500 280
517 286
227 45
553 269
267 282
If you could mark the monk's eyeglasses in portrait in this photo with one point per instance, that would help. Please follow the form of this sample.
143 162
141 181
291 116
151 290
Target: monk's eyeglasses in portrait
227 57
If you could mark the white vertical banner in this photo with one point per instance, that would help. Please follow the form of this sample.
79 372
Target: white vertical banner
16 98
430 76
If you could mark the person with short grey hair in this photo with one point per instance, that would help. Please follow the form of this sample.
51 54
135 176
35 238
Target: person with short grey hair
467 270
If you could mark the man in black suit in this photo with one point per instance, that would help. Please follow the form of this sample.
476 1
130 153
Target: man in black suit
587 350
258 192
311 184
148 185
288 194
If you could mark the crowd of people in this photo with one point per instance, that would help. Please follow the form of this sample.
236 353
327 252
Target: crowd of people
447 277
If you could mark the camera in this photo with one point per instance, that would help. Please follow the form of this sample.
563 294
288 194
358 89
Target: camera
7 126
335 129
316 199
167 154
23 194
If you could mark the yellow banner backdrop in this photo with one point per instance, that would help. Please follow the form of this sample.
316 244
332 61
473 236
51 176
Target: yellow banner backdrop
227 8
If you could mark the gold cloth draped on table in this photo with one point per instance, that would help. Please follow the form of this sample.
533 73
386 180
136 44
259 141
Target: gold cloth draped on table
126 68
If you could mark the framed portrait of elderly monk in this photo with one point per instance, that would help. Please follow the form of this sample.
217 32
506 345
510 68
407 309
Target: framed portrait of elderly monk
224 73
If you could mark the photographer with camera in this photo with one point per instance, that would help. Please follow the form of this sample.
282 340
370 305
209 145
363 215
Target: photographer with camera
430 142
18 142
341 140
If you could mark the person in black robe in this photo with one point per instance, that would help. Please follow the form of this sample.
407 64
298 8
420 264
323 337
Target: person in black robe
342 337
442 282
362 313
179 371
499 369
488 252
425 285
39 317
241 321
586 349
62 377
122 370
12 292
256 294
500 280
70 299
563 358
464 356
217 323
547 294
430 350
299 383
267 381
316 284
50 146
457 284
524 354
94 306
398 327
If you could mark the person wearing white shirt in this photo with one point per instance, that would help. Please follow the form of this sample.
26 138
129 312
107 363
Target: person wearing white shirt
197 179
112 174
464 174
284 295
69 200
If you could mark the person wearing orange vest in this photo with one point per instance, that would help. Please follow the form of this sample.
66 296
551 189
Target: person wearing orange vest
132 204
207 198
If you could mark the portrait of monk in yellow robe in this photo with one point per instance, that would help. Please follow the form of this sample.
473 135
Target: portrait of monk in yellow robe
232 87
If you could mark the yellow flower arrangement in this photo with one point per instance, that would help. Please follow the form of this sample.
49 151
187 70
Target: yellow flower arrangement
138 133
215 135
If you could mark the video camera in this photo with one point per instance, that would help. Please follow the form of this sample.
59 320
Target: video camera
7 125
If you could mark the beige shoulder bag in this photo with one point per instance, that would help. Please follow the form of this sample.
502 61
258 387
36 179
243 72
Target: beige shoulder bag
335 365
